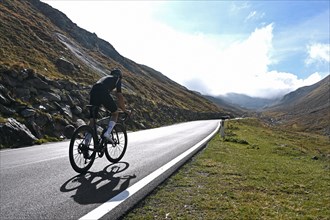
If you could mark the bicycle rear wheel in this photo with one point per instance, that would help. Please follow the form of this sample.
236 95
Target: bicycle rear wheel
115 152
81 153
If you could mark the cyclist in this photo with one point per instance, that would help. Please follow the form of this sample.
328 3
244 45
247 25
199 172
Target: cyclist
100 95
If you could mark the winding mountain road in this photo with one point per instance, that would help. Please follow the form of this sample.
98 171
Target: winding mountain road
38 182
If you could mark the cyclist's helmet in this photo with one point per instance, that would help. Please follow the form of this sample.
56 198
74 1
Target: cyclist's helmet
116 73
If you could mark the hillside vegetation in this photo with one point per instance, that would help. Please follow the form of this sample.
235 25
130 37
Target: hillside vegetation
256 172
47 67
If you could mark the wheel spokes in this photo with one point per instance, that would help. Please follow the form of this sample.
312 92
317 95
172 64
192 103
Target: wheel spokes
81 152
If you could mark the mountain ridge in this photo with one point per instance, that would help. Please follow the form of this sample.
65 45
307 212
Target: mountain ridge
247 102
305 109
309 94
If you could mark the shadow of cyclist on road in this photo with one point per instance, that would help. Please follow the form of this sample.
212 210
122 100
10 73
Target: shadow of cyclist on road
98 187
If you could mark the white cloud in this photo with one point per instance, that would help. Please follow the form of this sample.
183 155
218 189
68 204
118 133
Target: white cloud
211 64
251 15
240 67
318 53
276 84
207 63
236 67
254 15
238 6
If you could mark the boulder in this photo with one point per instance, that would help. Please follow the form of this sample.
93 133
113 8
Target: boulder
11 81
70 100
56 84
68 131
24 74
43 119
28 112
34 128
78 95
64 109
23 93
51 96
15 134
3 100
77 110
38 83
3 89
64 66
6 111
79 123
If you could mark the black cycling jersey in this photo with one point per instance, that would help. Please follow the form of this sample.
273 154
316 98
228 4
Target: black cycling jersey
99 94
110 82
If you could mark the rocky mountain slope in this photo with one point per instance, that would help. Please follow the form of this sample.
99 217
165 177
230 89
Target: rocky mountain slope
306 109
47 65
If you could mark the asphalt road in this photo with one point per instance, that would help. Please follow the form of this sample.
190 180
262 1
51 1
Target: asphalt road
38 182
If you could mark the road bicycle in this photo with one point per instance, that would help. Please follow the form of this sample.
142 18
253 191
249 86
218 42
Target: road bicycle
82 152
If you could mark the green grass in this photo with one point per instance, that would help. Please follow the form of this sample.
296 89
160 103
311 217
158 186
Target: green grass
257 172
46 139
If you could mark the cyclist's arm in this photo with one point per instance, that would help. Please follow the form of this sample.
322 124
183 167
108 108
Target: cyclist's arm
121 101
120 97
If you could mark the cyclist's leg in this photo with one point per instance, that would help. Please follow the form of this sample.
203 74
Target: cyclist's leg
110 104
114 116
95 101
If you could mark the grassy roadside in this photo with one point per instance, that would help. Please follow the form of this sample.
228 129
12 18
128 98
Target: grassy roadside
257 172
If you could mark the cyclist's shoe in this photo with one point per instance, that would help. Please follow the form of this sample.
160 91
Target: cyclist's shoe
84 150
87 139
108 137
86 155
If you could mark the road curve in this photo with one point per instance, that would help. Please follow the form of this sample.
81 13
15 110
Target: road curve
38 182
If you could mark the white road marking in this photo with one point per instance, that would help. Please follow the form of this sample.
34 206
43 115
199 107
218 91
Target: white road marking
121 197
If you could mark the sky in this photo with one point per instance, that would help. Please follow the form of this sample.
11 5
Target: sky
258 48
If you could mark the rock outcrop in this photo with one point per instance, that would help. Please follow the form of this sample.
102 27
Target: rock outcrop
44 106
13 133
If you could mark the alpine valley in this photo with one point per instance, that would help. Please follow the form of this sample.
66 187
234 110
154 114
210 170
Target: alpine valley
48 64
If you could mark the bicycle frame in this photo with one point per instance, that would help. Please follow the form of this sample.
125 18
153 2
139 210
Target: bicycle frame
96 122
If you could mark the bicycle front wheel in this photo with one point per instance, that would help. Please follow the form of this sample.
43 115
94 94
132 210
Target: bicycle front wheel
81 150
115 152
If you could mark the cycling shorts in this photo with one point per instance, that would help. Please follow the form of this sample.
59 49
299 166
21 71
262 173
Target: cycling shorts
99 95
